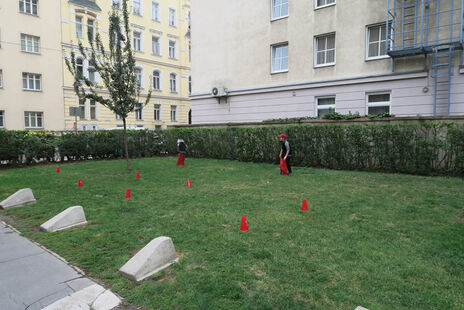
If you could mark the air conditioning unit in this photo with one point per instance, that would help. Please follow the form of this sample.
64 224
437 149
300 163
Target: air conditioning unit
219 91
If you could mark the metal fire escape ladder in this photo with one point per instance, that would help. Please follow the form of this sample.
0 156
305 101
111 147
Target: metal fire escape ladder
442 67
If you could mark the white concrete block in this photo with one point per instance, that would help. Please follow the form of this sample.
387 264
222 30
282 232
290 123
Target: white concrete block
71 217
154 257
89 294
360 308
67 303
106 301
20 198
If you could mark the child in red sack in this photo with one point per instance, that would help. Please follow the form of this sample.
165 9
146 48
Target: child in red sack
285 155
182 148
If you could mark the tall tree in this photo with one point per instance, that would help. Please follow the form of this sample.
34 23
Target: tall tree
115 64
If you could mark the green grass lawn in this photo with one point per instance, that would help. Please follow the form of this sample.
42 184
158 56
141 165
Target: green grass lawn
383 241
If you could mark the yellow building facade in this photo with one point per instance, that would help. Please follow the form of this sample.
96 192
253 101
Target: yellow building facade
161 43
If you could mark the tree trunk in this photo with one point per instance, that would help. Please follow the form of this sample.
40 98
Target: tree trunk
126 149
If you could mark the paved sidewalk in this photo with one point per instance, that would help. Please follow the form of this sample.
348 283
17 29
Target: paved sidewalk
33 278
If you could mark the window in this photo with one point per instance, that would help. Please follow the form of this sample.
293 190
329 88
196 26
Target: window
173 82
30 44
190 52
137 7
172 17
173 113
80 67
33 119
155 11
279 8
1 78
117 116
137 38
90 28
190 84
172 49
79 26
156 80
158 127
138 112
82 109
91 73
138 77
376 42
155 45
378 103
93 109
323 3
2 116
279 58
31 81
116 4
325 50
28 6
157 114
325 105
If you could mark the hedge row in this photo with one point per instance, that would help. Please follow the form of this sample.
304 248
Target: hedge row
426 148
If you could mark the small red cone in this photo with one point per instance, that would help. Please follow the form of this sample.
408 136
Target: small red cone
128 194
79 182
244 225
138 175
304 207
189 184
57 169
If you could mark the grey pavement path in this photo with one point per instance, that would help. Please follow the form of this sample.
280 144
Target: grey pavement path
32 278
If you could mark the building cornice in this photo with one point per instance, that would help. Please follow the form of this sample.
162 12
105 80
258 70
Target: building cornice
153 96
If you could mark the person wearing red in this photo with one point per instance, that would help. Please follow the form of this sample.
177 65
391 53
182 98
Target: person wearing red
182 148
285 153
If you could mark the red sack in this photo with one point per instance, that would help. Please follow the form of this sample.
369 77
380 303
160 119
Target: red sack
283 166
180 159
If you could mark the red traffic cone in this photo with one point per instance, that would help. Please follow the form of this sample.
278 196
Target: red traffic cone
79 182
244 225
189 184
138 175
57 169
128 194
304 207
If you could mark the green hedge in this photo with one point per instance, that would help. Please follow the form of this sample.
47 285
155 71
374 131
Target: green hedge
425 148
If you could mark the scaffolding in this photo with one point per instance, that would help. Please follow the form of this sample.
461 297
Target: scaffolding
423 27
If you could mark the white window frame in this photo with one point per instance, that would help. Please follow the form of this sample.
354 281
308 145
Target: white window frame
2 119
32 3
93 27
140 11
273 50
159 45
140 40
117 116
175 55
138 111
80 58
378 104
326 64
157 16
29 43
325 106
1 78
142 77
36 117
160 80
281 5
171 8
116 3
157 111
95 104
173 119
34 77
368 42
316 6
79 27
175 82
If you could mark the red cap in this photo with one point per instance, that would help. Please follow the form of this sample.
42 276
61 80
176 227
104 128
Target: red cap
282 135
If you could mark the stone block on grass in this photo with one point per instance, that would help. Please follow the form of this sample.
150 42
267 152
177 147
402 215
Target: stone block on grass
154 257
360 308
71 217
20 198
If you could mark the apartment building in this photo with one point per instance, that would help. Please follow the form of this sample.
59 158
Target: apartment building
30 65
161 44
270 59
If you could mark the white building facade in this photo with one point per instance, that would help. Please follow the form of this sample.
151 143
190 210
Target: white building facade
271 59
